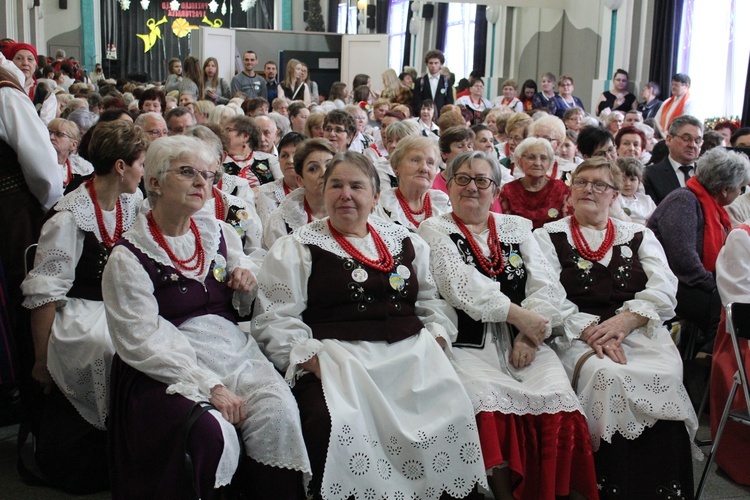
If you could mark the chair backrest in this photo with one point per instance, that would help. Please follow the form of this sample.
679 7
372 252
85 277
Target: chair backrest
28 257
738 327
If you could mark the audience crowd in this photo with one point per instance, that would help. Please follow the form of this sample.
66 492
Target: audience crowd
263 286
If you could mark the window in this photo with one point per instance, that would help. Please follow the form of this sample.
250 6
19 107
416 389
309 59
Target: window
347 19
397 33
713 43
459 38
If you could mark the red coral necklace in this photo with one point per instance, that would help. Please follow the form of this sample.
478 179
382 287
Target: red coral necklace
385 261
199 256
108 240
583 246
493 265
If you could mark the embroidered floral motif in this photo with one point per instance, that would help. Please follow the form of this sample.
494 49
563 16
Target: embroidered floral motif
671 492
584 269
624 272
173 277
609 489
359 464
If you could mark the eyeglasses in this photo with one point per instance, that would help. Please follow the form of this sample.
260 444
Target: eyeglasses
603 153
189 173
480 182
687 138
60 134
567 84
596 186
334 130
532 158
550 139
230 129
156 132
515 138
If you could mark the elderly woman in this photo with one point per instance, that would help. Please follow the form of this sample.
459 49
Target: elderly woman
305 204
535 196
392 135
565 99
24 56
618 98
362 139
314 125
65 135
509 98
489 267
243 156
691 224
272 194
515 130
733 283
225 206
621 359
614 122
72 344
475 101
340 128
630 142
172 287
384 414
415 162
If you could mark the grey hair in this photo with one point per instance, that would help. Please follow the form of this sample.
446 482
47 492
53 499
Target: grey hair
532 142
414 142
556 126
141 120
358 161
165 150
207 135
221 114
720 169
683 120
282 123
469 157
84 118
611 117
401 129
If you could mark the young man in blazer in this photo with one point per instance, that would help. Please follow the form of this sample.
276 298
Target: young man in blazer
433 85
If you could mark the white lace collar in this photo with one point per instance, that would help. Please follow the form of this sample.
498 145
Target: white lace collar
441 204
78 202
208 227
275 189
624 231
317 233
292 209
229 182
229 201
510 228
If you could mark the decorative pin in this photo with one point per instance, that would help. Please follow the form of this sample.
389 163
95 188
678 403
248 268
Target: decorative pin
397 282
552 213
515 260
242 214
627 211
403 271
240 231
585 265
626 251
359 275
220 268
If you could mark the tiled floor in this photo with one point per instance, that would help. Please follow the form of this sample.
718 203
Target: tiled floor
11 487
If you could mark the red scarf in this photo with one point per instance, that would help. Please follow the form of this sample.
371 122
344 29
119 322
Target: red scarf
716 227
677 111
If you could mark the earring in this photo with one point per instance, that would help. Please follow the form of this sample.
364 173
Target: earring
122 178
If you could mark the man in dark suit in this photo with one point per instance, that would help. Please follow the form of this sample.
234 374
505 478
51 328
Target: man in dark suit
684 142
433 85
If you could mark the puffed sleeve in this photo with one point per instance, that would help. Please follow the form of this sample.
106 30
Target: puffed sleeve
544 292
438 317
60 247
460 284
574 322
274 229
282 298
142 338
659 298
733 268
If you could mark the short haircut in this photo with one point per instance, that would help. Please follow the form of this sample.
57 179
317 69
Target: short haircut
291 139
571 112
341 117
452 135
533 142
720 169
245 125
164 150
510 83
152 94
682 78
631 167
176 113
115 140
252 104
603 163
434 54
208 136
306 148
655 89
549 76
358 161
470 157
410 143
683 120
590 138
739 133
631 130
295 108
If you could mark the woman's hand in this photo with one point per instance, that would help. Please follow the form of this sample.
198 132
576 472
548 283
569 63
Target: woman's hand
312 365
614 330
230 405
242 280
529 324
523 353
441 342
211 93
41 374
615 352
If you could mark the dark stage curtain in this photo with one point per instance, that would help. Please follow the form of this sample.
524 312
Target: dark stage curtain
746 106
480 39
383 8
407 42
442 26
157 29
665 43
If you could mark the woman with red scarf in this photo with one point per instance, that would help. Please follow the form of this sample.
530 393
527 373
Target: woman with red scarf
692 225
24 56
